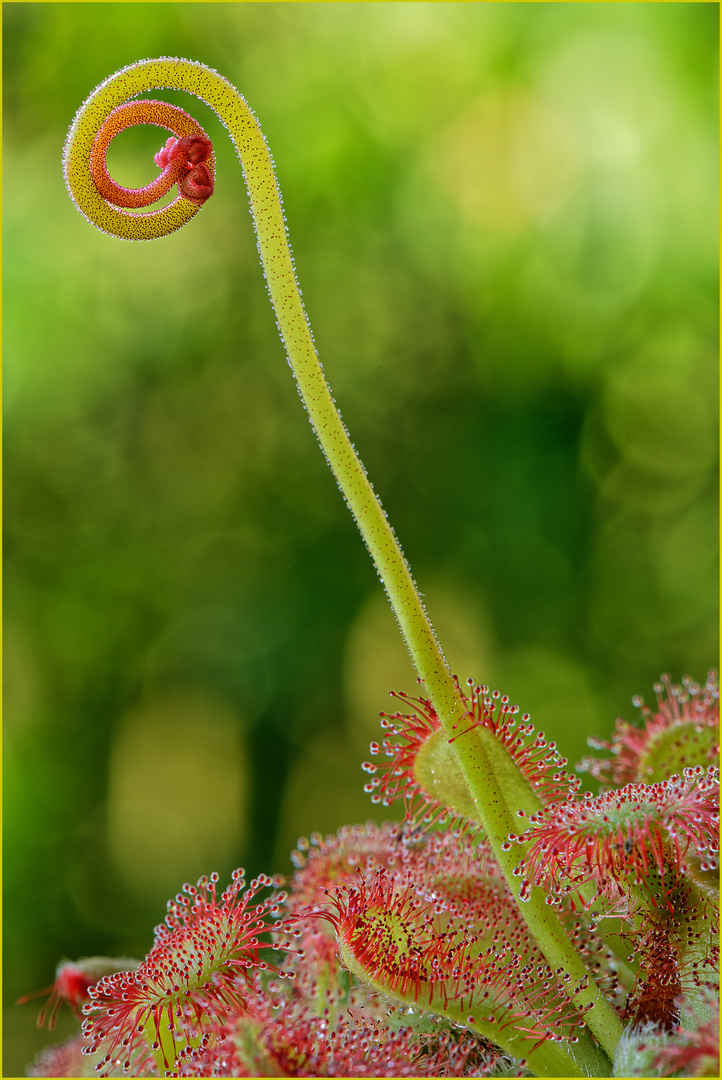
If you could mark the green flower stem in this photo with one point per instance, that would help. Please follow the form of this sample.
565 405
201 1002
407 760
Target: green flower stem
500 790
274 249
496 793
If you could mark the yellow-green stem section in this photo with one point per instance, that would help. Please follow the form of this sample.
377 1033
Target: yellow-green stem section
275 252
482 774
499 790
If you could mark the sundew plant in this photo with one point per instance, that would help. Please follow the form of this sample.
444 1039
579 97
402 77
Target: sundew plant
509 909
510 923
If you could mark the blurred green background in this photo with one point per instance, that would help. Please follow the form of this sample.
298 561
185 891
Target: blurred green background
504 218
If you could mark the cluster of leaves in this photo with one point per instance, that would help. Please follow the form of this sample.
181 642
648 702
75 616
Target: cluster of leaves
400 950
